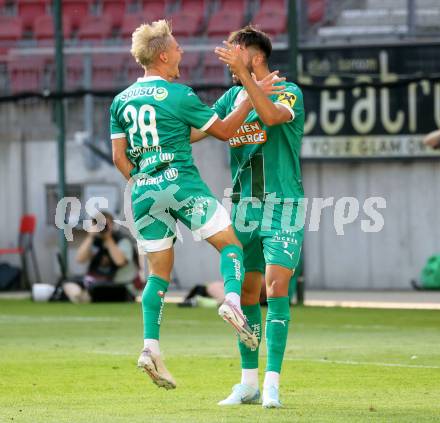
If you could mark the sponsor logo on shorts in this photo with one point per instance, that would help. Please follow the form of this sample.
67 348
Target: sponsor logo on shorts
197 206
149 181
171 174
249 133
147 162
166 157
290 254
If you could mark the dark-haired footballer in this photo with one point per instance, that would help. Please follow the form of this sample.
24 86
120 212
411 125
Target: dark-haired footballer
267 193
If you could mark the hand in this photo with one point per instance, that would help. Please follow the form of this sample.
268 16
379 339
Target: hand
231 56
267 84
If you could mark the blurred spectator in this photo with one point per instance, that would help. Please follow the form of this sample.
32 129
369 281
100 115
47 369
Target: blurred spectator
112 270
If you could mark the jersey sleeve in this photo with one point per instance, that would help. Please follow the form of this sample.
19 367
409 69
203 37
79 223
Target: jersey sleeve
220 106
291 99
194 112
116 130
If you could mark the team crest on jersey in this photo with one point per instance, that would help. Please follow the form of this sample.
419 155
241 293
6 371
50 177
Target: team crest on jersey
289 99
160 94
171 174
248 133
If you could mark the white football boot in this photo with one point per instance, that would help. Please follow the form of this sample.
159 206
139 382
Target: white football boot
242 394
271 397
153 365
233 315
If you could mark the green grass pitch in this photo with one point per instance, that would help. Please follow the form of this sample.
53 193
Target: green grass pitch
69 363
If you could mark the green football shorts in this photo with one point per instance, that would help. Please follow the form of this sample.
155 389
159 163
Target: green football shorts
270 233
168 195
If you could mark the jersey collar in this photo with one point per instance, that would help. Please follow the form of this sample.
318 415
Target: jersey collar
150 78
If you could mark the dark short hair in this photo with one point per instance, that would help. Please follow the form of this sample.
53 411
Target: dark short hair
251 36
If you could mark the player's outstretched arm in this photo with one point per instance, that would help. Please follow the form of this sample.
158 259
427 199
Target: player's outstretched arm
433 139
270 113
223 129
197 135
120 158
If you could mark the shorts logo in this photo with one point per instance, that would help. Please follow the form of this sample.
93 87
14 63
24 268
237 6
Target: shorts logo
166 157
160 94
171 174
289 254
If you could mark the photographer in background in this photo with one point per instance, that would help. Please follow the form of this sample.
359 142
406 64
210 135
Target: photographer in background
110 257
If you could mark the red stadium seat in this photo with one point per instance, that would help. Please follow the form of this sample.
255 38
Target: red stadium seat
214 71
44 28
11 29
271 23
154 9
107 70
197 7
130 23
236 6
95 28
29 10
222 23
186 25
189 66
74 72
26 74
115 10
76 10
315 10
274 6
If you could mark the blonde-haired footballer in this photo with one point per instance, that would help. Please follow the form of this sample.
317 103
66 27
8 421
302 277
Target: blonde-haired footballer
267 193
150 130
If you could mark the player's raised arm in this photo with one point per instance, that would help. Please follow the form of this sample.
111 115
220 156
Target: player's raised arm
269 112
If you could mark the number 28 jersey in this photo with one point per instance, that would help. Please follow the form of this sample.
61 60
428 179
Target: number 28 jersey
156 116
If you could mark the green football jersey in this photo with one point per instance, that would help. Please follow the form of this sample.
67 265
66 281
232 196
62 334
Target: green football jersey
265 159
156 116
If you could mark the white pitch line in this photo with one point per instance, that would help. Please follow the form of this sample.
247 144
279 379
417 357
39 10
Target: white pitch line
364 363
8 318
373 304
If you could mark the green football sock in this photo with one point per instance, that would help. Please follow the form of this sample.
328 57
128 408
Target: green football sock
231 268
249 357
277 326
152 305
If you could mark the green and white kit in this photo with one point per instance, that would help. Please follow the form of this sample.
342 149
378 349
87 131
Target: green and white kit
156 116
267 190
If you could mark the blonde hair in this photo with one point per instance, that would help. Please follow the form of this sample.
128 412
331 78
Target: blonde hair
148 40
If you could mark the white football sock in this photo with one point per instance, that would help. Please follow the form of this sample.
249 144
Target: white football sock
271 379
249 377
153 345
234 299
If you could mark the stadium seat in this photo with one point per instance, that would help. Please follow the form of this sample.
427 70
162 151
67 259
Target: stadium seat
95 28
133 71
107 70
44 28
26 74
315 10
197 7
11 29
29 10
222 23
186 24
74 68
76 10
25 247
189 67
130 23
273 23
214 72
115 10
237 6
274 6
154 9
